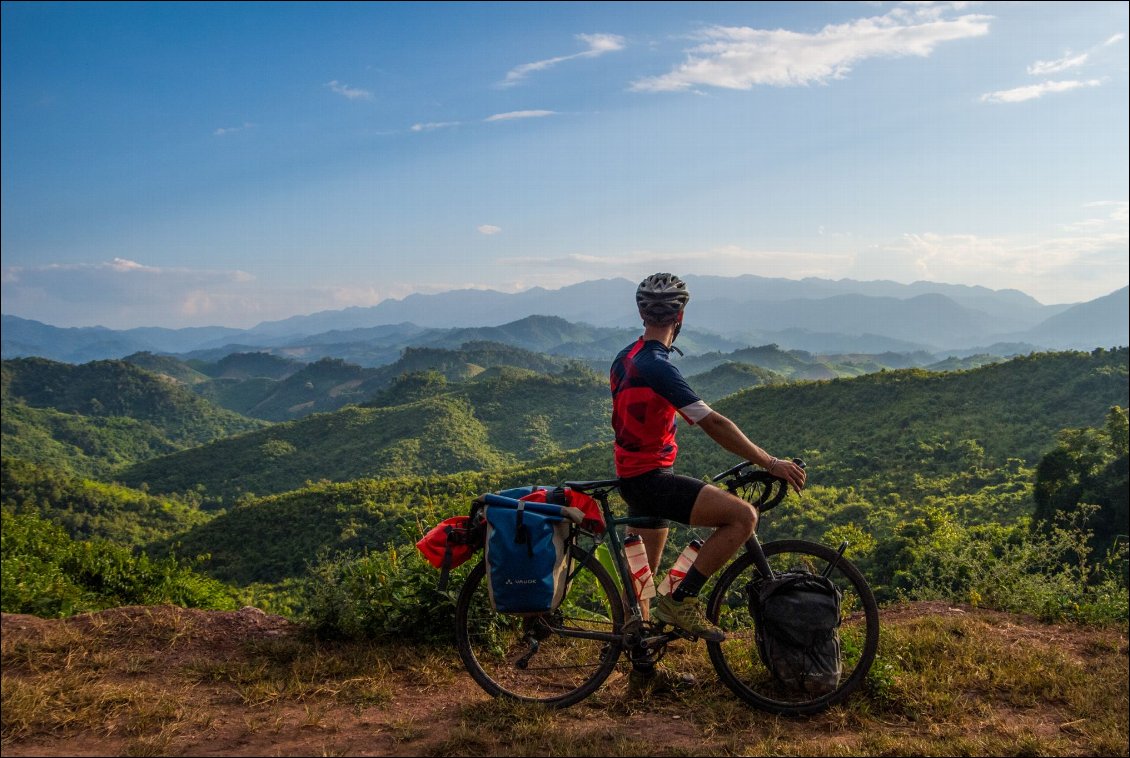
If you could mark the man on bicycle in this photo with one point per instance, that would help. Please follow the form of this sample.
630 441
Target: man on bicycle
647 392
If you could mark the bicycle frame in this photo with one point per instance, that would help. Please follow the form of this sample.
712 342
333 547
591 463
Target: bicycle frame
616 546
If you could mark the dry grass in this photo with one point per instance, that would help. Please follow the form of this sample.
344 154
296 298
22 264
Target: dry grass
947 683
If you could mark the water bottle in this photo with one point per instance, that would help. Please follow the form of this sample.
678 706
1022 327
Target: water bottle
642 581
679 570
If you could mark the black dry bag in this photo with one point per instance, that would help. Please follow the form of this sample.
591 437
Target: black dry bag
797 620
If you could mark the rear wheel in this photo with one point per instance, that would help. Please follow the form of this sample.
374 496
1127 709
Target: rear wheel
737 659
546 658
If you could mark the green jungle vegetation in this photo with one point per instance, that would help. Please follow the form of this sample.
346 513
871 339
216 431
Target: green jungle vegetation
93 418
272 388
897 425
165 365
247 365
728 378
1002 486
88 508
422 425
47 573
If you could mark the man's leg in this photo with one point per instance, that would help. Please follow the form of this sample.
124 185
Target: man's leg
654 540
734 521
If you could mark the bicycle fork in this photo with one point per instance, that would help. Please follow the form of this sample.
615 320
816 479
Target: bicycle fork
753 545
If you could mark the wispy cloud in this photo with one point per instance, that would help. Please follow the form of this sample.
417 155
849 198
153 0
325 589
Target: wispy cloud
1073 261
741 57
1042 68
598 44
489 229
232 129
1033 91
350 93
124 292
519 114
1072 60
433 125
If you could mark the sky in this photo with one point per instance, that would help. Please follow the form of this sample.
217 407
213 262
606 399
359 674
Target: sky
192 164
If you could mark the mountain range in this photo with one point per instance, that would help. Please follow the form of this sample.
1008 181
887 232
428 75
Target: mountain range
726 313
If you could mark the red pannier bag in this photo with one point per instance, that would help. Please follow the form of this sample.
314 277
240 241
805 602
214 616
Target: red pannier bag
452 542
593 520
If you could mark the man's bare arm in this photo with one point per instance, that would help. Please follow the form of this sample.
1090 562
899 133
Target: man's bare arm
727 434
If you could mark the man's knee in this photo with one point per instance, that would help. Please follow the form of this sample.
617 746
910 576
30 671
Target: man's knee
746 515
718 508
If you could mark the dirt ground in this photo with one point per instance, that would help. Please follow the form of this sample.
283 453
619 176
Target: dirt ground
159 703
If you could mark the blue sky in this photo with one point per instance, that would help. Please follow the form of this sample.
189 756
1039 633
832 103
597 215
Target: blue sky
191 164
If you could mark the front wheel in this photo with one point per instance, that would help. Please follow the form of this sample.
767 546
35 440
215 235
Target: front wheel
737 659
557 658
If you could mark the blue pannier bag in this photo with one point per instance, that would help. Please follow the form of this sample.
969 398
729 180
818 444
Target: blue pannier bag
527 551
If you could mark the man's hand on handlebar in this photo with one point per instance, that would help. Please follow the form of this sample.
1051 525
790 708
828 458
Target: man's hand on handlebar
791 471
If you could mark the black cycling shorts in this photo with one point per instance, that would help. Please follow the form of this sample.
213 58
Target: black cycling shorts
661 494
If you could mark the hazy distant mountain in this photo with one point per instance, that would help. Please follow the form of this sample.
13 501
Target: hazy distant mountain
806 314
1099 323
26 338
610 302
589 319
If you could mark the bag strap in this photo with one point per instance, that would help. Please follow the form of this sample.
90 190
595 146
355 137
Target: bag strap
445 567
521 531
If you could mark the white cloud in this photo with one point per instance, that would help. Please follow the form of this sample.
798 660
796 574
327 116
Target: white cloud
1071 60
350 93
1078 261
122 293
519 114
231 129
1033 91
1041 68
489 229
741 57
432 125
598 44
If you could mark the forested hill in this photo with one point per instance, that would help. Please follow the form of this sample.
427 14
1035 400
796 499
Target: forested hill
268 387
424 425
895 425
95 416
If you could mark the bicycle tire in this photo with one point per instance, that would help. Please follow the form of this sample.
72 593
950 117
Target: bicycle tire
565 669
737 660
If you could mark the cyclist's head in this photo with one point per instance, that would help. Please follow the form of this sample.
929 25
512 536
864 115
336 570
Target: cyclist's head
661 299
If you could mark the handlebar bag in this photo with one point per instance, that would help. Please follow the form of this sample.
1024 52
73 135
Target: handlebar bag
527 553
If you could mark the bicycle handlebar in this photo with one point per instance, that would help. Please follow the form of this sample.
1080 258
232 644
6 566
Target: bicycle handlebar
775 487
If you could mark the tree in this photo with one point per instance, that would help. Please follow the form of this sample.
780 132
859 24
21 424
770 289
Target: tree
1088 466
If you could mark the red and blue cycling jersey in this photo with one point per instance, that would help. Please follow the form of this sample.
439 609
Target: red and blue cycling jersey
647 391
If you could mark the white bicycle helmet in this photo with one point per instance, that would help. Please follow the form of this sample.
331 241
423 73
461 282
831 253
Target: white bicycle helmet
661 298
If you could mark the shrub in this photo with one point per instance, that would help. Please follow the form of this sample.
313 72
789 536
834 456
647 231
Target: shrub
382 595
46 573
